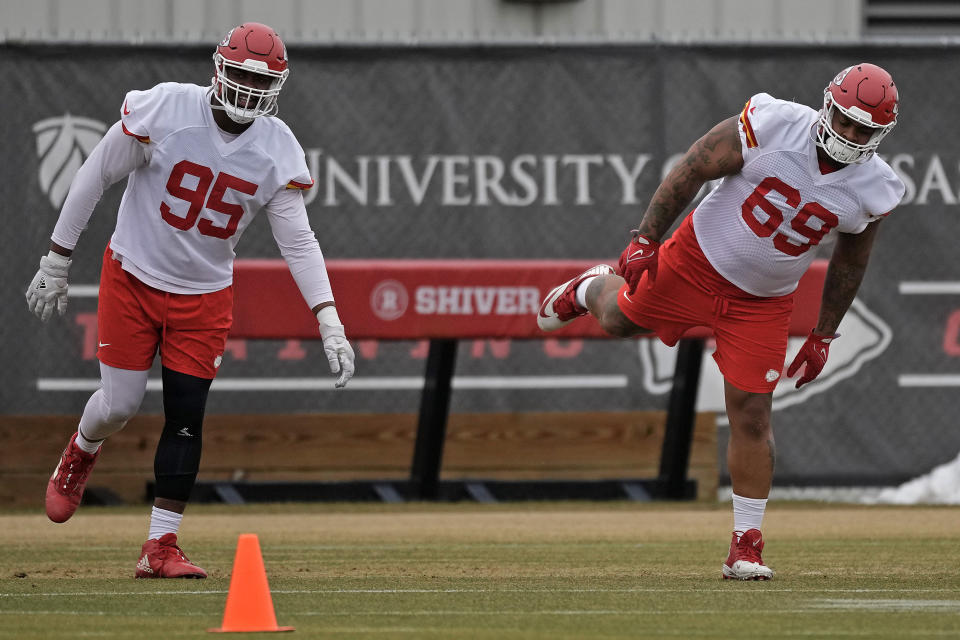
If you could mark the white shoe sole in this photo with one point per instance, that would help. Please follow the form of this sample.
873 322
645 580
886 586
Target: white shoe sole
742 570
546 319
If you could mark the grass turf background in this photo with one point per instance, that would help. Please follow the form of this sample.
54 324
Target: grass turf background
509 571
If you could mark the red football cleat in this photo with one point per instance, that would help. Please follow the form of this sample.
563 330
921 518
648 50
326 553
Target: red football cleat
744 561
560 307
162 558
65 488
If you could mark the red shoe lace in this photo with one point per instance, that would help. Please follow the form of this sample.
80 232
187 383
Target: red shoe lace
166 550
565 306
73 472
746 551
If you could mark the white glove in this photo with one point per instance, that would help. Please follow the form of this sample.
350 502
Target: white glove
335 346
48 289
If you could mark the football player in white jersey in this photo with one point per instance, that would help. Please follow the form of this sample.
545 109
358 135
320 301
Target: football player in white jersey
790 176
200 163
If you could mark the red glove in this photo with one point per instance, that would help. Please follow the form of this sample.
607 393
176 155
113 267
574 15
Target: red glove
814 354
640 256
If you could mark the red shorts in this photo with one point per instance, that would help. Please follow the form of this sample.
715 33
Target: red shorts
751 332
134 319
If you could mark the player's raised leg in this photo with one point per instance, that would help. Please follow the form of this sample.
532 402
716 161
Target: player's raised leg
561 306
595 291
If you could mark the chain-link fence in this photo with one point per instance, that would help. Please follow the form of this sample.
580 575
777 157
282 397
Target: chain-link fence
513 153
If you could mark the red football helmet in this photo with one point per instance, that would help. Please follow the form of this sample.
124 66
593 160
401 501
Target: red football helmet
866 94
253 48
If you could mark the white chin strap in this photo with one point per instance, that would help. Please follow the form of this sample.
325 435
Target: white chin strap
838 147
235 114
844 153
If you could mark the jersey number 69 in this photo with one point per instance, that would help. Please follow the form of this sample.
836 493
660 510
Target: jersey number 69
775 217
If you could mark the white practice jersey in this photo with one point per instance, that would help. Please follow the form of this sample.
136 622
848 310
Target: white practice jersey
184 210
758 228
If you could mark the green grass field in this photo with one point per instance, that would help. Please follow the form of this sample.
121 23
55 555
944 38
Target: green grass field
521 571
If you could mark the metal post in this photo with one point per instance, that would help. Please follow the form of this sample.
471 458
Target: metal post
432 425
681 411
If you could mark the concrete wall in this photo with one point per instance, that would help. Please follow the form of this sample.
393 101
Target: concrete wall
376 21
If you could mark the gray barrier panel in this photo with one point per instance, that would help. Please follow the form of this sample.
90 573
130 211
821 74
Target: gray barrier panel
512 153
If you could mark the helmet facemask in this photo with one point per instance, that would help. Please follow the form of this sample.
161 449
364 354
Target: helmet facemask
241 102
838 147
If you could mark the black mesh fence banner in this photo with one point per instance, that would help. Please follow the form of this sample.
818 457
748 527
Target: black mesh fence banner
488 152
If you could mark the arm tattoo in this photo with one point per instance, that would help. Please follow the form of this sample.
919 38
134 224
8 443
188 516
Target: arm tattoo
713 156
844 275
839 290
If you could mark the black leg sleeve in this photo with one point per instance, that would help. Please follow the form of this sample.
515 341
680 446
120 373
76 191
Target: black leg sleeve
177 459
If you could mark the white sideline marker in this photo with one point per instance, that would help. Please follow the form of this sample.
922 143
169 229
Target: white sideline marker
398 383
97 594
929 288
928 380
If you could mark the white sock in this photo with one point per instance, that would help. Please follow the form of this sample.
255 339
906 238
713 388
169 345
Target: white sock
581 292
748 513
163 521
89 446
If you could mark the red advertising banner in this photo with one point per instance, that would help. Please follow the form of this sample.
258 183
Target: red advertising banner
415 299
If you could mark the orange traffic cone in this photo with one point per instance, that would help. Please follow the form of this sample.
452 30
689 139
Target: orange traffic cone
249 605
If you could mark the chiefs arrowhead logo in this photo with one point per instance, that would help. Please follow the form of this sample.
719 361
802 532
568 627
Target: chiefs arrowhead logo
865 337
838 80
226 38
63 144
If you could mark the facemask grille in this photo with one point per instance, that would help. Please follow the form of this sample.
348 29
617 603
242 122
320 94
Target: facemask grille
243 103
838 147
